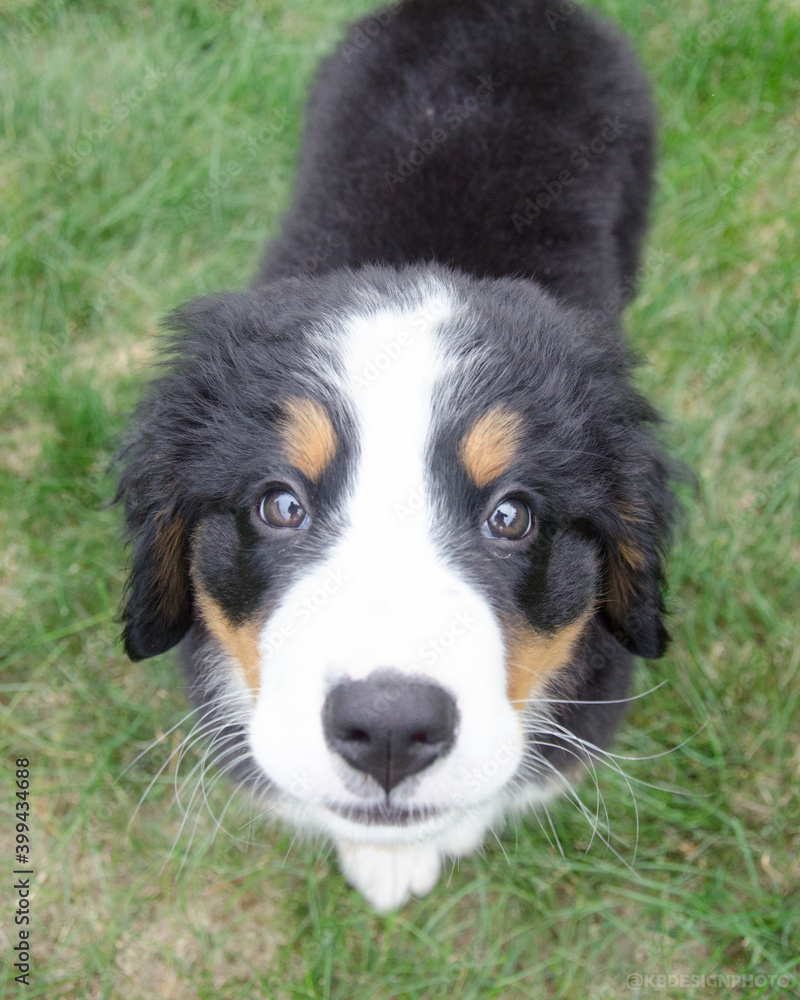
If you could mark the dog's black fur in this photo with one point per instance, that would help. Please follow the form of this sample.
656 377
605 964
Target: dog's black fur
485 141
491 105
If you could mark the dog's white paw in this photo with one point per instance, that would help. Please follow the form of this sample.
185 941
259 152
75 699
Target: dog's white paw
388 876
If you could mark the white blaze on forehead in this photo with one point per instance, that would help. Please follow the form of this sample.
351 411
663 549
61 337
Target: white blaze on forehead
392 363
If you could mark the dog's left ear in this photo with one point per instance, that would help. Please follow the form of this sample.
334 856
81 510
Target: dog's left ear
634 548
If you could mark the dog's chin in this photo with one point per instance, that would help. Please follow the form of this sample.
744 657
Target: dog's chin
370 822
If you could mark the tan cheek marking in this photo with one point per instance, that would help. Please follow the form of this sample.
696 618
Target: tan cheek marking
308 436
532 659
240 642
489 446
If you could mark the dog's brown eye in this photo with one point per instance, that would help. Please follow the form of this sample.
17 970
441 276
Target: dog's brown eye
511 519
282 509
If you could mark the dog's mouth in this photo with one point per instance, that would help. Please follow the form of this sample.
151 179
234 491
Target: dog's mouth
383 814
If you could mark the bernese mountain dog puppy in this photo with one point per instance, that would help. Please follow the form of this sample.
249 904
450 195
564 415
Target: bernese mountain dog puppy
399 502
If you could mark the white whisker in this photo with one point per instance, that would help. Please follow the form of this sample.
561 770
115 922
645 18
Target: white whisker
585 701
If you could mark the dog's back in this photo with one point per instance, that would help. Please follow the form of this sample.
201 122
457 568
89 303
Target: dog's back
498 138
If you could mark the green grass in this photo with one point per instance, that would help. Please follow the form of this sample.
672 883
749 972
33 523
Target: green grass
147 152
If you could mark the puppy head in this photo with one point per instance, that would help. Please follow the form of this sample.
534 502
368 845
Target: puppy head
388 505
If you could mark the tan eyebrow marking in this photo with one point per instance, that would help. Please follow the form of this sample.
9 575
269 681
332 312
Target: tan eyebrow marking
489 446
308 436
531 659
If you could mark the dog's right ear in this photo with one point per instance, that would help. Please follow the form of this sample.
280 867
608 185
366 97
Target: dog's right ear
162 464
158 601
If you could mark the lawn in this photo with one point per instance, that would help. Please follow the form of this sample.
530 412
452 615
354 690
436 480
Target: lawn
147 152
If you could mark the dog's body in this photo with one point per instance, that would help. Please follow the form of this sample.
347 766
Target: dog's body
400 500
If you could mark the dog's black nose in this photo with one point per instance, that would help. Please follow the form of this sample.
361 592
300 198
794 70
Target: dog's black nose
389 726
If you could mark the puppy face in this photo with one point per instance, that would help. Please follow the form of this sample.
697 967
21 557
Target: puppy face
389 507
